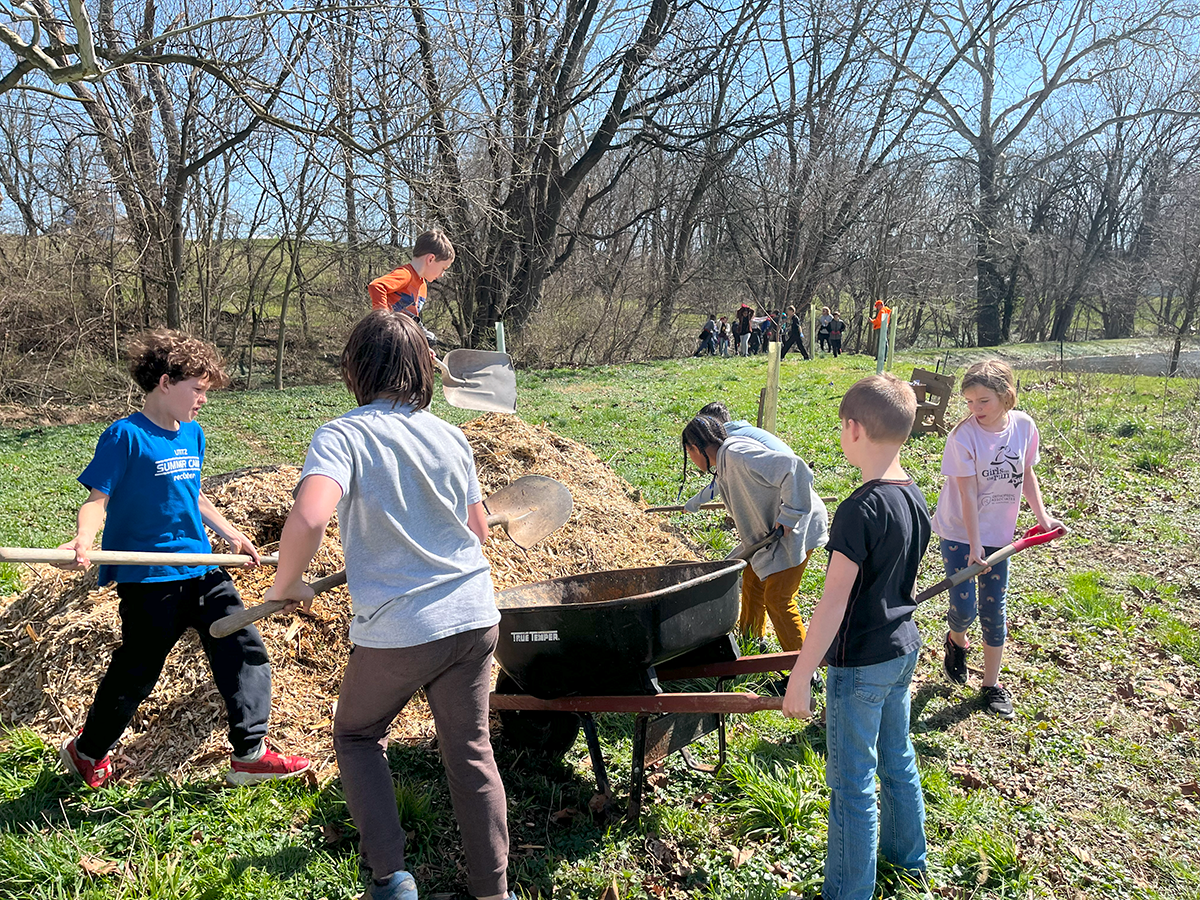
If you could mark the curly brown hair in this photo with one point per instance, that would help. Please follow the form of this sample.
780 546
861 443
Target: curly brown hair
162 351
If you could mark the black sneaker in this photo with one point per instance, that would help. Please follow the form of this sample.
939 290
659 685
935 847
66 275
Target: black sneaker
955 661
998 701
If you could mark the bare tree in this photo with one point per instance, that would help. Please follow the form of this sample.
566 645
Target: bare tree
1032 56
37 40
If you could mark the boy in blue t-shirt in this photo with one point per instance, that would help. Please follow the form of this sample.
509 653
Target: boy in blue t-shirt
144 484
863 630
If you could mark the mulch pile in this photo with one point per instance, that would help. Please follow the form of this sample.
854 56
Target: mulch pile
56 637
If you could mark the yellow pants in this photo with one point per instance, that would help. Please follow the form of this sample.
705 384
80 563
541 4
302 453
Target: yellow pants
774 596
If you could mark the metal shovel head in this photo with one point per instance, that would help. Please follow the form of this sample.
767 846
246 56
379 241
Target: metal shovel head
530 508
480 379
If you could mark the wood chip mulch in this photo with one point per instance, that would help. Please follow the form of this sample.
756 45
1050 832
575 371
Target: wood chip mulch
57 636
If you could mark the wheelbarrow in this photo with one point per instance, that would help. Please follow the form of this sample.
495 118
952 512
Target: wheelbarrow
602 642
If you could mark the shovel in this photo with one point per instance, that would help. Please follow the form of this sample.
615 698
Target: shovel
1032 538
479 379
530 508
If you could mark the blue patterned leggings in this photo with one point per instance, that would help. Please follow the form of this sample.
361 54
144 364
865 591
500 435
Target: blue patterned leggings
992 587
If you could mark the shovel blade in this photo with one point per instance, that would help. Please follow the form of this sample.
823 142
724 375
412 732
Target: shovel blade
530 508
486 381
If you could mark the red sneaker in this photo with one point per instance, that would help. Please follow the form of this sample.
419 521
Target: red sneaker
269 766
94 774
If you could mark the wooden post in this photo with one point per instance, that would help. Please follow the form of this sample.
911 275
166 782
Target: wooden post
771 401
812 328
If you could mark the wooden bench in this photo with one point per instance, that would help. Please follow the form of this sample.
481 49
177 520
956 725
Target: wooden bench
933 396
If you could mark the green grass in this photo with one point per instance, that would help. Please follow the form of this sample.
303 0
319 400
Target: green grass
1088 613
1088 599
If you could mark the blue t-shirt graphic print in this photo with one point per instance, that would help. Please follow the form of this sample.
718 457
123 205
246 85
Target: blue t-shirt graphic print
152 478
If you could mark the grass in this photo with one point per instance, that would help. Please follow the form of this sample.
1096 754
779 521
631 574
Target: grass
1080 795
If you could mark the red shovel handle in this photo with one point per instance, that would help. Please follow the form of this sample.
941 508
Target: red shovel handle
1035 536
1031 538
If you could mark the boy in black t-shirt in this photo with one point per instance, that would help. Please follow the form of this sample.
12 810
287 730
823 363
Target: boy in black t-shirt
863 629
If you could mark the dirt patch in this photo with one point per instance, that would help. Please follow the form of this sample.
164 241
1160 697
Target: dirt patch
59 634
20 416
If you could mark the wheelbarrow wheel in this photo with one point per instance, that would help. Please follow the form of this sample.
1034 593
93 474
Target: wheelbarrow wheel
548 733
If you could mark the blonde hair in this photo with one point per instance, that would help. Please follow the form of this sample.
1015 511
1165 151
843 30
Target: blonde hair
883 405
997 376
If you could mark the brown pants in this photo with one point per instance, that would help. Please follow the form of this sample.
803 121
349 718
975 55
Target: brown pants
456 674
773 596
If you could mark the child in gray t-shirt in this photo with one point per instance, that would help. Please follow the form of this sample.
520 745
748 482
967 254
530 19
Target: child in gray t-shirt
413 525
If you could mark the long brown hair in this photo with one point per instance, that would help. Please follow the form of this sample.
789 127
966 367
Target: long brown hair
387 356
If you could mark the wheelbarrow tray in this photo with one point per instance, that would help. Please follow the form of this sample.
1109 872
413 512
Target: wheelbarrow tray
603 632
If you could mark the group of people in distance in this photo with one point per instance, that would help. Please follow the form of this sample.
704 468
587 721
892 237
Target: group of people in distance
862 629
749 334
413 525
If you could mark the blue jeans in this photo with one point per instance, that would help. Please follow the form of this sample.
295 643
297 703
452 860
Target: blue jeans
992 586
867 731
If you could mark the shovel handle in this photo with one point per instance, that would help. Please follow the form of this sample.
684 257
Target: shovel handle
772 537
666 509
243 617
1031 538
447 378
708 506
131 557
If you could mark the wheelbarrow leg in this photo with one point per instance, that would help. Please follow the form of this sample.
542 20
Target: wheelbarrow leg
638 768
593 743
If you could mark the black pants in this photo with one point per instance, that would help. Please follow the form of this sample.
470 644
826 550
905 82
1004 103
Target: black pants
154 616
835 344
794 340
823 340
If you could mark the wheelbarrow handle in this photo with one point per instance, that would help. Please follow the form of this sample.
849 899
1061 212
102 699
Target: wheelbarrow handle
243 617
1031 538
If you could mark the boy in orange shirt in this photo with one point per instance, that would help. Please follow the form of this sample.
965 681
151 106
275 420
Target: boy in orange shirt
403 289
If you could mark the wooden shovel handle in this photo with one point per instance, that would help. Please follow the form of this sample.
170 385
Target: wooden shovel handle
130 557
243 617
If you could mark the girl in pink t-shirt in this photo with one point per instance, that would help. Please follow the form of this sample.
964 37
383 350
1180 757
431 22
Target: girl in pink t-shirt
988 463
